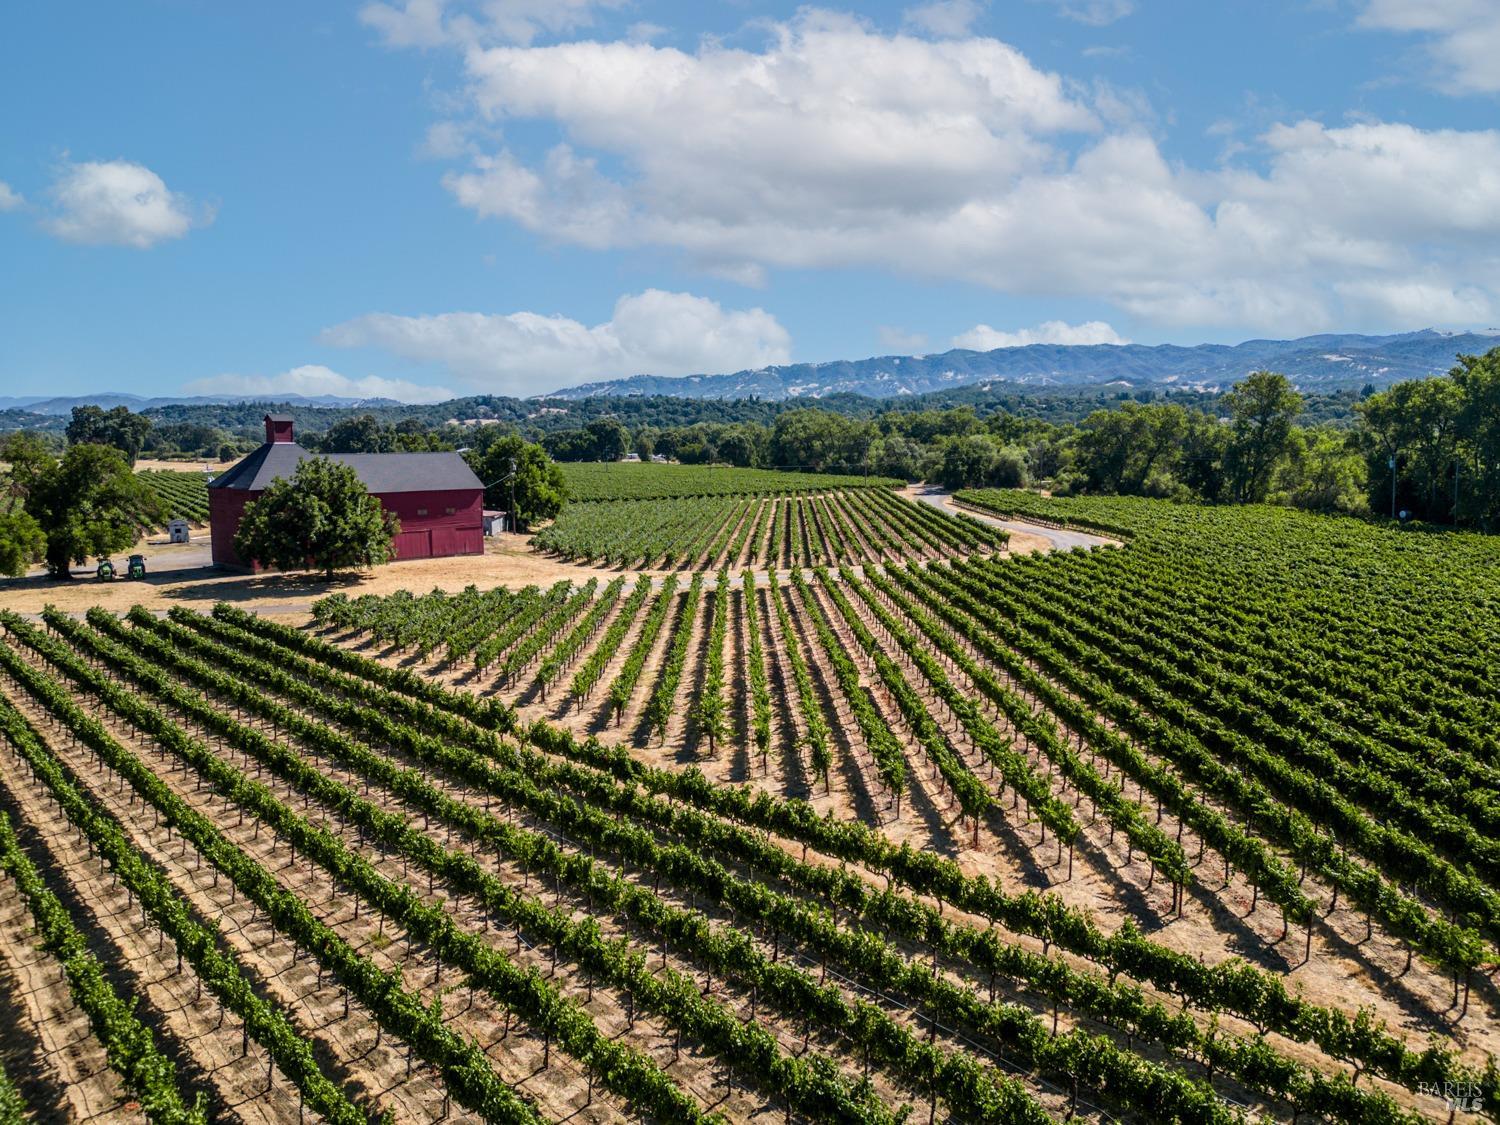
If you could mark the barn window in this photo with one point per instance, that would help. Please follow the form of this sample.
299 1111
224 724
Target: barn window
450 511
421 511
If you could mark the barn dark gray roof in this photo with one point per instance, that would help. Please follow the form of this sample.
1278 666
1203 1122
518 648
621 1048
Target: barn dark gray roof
410 472
379 472
273 459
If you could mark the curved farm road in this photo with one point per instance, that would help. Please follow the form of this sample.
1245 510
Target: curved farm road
1025 537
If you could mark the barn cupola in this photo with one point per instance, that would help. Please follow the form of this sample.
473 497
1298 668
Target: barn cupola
279 427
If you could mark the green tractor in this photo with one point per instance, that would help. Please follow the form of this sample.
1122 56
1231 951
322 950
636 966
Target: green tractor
105 571
137 567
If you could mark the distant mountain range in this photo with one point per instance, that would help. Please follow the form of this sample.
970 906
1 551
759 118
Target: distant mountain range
1315 363
38 404
1323 363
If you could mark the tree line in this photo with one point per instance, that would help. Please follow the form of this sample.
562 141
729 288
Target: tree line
136 434
1425 449
224 430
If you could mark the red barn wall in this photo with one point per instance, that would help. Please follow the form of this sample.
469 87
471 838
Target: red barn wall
225 507
428 528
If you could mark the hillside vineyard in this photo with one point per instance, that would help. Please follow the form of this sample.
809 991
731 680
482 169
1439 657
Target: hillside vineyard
841 815
653 481
182 495
801 529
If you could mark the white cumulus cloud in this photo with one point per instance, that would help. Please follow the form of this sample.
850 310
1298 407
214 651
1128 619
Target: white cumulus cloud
1417 301
951 18
898 340
311 380
983 338
832 129
1462 37
445 140
435 23
832 144
1095 13
10 198
526 353
118 203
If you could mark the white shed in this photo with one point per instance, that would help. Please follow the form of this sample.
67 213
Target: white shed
177 531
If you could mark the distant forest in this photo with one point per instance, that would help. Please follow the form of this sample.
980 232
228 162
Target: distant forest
532 417
1425 450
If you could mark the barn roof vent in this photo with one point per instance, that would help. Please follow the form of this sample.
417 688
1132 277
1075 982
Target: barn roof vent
279 427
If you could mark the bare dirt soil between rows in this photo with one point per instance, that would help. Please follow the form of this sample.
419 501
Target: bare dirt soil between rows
182 575
1345 970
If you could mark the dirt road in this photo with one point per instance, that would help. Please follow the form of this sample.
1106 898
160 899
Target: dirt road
181 574
1057 539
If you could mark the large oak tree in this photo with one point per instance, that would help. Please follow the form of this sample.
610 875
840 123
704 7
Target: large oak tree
1263 408
512 467
88 503
319 518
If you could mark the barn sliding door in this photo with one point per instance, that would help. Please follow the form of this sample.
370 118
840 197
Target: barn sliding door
414 544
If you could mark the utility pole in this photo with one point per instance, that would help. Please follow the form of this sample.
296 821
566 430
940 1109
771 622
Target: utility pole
511 477
1392 463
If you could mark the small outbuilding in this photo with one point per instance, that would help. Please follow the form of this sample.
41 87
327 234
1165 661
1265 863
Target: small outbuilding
178 531
436 496
495 522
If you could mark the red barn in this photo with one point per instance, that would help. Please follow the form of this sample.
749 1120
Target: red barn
436 496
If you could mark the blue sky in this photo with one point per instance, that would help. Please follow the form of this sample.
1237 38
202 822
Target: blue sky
422 197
